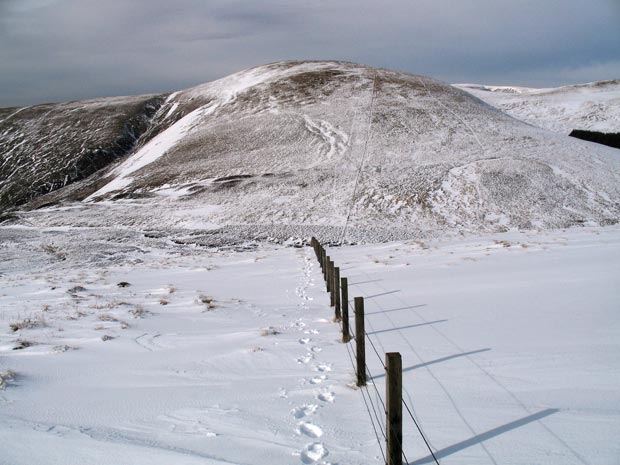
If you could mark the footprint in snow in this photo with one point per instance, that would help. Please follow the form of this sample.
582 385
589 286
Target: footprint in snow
309 430
323 367
305 340
327 396
305 359
318 379
314 452
316 349
304 410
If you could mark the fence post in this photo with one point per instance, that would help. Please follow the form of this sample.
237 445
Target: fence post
360 340
344 300
394 405
332 286
330 277
336 293
326 271
322 257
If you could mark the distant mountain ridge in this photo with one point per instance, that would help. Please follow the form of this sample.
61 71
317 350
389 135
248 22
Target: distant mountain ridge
593 106
365 153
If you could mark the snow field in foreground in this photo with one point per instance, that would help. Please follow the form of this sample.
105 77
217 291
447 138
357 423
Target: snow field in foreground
509 344
242 364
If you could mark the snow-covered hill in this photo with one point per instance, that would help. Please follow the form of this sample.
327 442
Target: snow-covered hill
341 150
594 106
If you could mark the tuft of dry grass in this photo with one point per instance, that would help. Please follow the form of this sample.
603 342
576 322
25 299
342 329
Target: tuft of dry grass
163 301
63 348
107 337
28 323
5 377
54 251
138 311
108 317
76 315
76 289
270 331
108 305
208 301
23 344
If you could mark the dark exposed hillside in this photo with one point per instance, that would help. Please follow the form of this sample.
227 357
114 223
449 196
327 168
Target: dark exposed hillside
610 139
46 147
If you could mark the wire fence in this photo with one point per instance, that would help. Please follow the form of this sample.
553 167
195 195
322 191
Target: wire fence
377 408
381 404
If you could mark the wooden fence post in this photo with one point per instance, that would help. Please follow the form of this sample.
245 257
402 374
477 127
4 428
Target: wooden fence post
326 270
360 340
394 405
332 287
344 300
330 277
336 293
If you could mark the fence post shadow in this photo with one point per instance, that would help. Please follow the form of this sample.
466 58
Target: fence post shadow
379 331
437 360
445 452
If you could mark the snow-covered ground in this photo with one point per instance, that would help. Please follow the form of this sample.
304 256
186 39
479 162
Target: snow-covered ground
510 345
594 106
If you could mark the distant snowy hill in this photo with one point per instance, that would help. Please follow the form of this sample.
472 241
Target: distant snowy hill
292 148
594 106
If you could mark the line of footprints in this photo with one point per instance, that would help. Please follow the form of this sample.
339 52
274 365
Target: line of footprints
315 451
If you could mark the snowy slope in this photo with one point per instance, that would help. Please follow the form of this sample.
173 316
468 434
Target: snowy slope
594 106
510 345
353 152
293 148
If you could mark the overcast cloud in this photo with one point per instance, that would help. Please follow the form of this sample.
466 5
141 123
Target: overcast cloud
55 50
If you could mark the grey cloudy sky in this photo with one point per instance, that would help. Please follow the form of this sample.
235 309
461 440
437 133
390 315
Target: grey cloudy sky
55 50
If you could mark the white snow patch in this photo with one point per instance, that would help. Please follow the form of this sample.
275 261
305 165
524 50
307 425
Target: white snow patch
172 110
153 150
172 96
335 139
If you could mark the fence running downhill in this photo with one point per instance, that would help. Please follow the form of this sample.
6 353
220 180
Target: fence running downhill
391 407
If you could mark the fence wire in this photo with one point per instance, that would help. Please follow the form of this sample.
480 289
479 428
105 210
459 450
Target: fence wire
377 425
